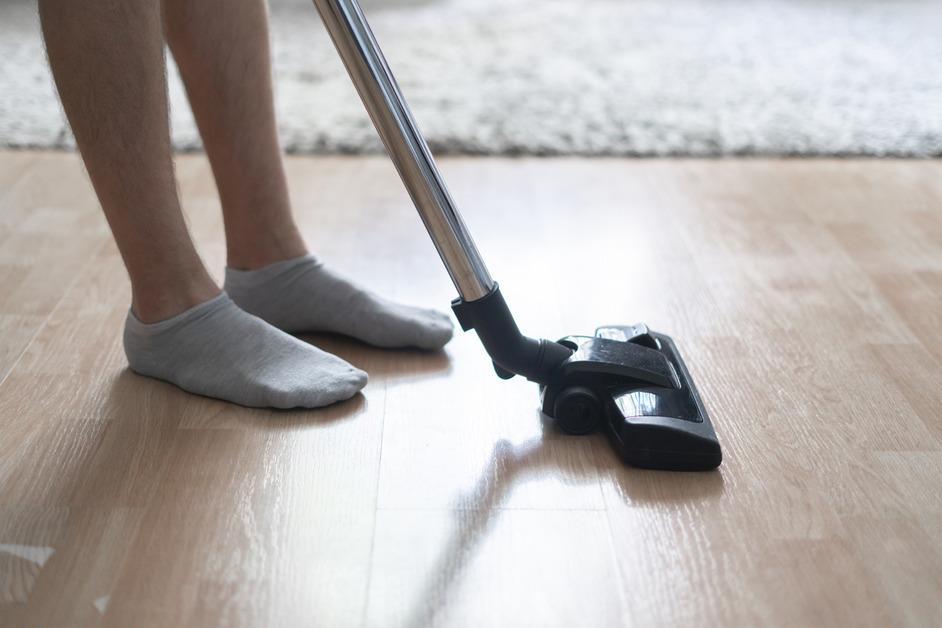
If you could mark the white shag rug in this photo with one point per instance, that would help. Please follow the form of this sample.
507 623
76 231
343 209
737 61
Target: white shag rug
591 77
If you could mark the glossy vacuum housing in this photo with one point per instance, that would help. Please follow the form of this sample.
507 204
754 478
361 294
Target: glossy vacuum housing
627 380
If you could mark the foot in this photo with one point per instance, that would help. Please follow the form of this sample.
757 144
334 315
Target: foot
216 349
302 295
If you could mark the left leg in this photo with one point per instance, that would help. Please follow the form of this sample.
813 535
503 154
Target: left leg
221 48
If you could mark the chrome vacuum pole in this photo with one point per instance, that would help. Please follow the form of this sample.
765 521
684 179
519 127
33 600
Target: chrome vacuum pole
377 87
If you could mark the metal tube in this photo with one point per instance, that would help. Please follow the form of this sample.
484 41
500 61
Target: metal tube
377 87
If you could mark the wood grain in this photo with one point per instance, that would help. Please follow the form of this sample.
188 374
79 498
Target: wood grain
50 227
805 295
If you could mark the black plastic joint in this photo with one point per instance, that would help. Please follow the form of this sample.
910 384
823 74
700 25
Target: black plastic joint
490 310
512 352
458 306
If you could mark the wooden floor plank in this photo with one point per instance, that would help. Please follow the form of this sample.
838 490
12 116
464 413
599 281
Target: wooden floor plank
539 567
50 227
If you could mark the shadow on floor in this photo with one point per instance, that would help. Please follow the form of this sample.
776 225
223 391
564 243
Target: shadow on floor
140 417
388 364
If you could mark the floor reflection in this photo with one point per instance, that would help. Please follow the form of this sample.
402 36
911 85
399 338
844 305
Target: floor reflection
19 568
477 509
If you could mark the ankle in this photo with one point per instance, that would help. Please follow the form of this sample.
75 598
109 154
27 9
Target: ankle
158 301
264 249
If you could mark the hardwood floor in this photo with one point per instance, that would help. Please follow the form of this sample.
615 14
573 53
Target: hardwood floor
806 297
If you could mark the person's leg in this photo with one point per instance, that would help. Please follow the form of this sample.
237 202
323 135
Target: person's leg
222 50
107 61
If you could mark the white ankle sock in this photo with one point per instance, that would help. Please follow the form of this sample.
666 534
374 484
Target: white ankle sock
216 349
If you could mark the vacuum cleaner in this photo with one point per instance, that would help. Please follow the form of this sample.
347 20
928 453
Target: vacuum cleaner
627 380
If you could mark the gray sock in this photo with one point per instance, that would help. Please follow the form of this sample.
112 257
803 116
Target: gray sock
216 349
302 295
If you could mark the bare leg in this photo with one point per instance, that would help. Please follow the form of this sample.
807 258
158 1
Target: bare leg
221 48
107 60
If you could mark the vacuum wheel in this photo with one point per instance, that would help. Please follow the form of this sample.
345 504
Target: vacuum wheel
577 410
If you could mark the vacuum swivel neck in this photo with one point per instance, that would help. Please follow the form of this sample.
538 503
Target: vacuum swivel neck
512 352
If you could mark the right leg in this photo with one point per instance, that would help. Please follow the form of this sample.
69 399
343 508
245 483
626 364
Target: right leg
107 61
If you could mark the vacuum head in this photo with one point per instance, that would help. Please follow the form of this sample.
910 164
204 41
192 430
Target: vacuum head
633 383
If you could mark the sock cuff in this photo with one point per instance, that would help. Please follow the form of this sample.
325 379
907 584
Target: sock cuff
272 270
135 325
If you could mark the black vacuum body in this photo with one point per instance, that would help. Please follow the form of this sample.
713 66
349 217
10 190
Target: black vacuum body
633 384
626 380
